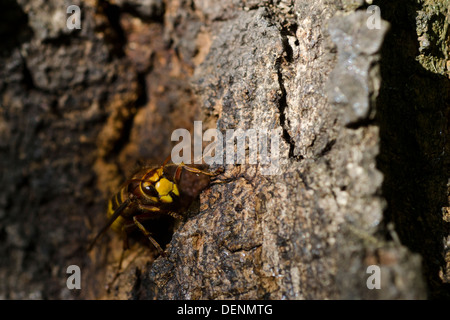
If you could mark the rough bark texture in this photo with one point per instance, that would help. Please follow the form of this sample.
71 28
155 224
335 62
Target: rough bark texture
362 116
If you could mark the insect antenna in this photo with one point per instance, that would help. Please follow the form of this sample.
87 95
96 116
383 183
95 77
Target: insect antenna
110 221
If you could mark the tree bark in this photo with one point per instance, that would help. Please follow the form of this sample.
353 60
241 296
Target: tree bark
360 112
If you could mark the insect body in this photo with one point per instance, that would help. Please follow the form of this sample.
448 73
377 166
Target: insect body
152 194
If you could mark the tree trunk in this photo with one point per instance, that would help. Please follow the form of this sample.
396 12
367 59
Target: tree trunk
358 103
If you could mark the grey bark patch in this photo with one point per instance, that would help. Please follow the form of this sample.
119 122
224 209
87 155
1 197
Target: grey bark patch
354 83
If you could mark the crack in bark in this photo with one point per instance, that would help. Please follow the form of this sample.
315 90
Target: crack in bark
243 248
141 101
285 58
282 104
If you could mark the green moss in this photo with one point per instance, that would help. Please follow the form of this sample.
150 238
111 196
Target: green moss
432 26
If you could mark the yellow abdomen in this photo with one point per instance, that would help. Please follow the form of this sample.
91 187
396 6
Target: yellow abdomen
119 222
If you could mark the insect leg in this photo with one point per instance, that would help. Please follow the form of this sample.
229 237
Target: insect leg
147 234
220 180
150 208
180 167
175 215
195 170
